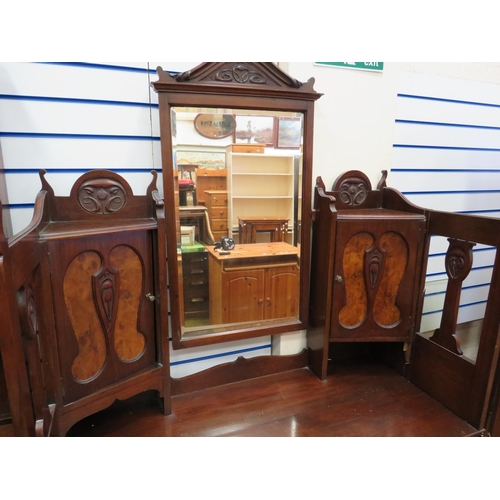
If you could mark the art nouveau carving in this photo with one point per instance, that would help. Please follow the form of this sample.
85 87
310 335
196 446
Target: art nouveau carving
353 192
458 263
102 196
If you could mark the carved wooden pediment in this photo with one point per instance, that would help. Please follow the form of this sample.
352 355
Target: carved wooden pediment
250 78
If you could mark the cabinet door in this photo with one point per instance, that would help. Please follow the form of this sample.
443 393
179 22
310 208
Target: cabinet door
375 282
282 292
105 324
243 295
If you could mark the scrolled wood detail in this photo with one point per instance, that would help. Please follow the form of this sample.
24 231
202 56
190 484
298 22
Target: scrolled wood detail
240 73
458 260
458 263
102 196
106 286
375 259
353 192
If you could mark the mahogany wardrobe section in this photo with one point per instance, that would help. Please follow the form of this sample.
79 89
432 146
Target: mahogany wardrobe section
89 277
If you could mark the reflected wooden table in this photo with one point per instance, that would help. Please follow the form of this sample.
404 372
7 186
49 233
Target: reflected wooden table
250 226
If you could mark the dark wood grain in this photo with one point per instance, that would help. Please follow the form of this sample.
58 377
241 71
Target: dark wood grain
356 399
240 369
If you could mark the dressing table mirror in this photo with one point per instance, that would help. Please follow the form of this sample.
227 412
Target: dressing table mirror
236 145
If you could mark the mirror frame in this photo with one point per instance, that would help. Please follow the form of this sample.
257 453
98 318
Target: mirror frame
246 86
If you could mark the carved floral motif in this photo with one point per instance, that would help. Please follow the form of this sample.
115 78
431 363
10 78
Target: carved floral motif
240 73
102 196
353 192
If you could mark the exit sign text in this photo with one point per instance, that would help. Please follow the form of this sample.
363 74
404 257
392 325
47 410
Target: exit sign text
365 66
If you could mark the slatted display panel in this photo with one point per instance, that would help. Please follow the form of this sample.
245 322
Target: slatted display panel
68 118
446 156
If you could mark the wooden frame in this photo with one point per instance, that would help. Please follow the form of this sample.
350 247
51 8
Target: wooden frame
237 86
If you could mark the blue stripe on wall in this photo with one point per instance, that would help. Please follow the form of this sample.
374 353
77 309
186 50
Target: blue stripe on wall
474 250
41 135
454 101
448 148
445 124
76 170
110 67
447 170
443 292
71 100
444 272
461 306
220 355
471 191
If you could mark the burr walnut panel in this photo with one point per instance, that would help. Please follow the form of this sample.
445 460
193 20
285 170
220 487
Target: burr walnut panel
129 342
377 252
78 296
106 324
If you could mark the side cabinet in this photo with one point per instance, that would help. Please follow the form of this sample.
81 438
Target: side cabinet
375 294
105 315
367 267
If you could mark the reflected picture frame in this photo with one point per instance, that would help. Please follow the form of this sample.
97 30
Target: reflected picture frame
288 133
254 129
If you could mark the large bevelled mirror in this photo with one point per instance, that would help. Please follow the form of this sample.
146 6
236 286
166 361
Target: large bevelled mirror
236 143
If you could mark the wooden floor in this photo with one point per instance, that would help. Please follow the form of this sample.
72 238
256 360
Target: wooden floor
357 399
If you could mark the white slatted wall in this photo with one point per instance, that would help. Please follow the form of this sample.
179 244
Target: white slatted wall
68 118
447 157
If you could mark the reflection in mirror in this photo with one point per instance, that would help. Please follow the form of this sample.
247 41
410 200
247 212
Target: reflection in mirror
238 178
441 293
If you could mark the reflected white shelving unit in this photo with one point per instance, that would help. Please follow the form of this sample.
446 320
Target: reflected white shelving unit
264 185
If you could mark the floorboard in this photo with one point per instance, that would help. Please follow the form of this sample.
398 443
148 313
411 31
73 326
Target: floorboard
365 399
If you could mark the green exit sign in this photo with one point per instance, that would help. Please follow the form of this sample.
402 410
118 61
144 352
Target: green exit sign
365 66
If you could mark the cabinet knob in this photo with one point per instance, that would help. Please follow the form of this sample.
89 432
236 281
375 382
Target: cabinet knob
338 279
150 297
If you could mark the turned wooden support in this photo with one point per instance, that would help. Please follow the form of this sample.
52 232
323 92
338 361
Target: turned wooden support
458 265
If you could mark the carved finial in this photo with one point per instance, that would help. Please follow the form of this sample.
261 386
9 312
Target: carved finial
153 191
320 183
45 185
381 183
